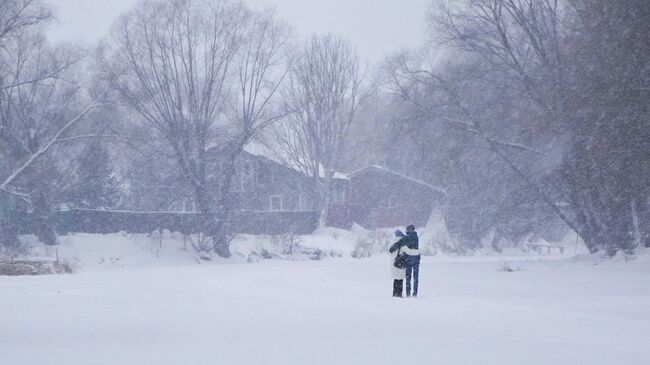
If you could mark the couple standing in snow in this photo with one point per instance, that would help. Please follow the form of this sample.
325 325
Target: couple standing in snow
405 261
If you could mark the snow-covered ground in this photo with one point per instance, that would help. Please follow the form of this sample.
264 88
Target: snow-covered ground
152 306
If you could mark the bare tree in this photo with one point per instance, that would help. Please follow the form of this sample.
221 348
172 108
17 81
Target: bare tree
449 115
540 56
202 75
551 60
516 44
261 65
323 95
40 98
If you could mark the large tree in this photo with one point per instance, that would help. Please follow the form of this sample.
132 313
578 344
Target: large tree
202 75
554 90
40 104
606 167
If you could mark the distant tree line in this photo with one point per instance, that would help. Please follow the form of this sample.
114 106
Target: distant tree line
531 114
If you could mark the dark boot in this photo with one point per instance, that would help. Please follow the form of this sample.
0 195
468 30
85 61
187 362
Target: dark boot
397 288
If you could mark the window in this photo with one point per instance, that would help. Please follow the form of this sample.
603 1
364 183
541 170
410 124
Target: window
264 174
236 184
275 202
302 202
338 195
248 169
247 176
394 201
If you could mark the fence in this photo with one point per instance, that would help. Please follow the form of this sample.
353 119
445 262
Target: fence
250 222
342 216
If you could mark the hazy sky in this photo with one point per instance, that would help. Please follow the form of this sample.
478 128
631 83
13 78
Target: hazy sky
376 27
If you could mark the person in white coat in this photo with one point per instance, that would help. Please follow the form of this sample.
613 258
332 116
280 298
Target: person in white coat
397 273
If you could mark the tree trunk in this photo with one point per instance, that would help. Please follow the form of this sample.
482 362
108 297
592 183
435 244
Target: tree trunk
202 199
222 231
617 235
495 240
43 219
326 196
8 230
324 213
642 222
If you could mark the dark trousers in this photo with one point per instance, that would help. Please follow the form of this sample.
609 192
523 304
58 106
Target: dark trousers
397 288
412 271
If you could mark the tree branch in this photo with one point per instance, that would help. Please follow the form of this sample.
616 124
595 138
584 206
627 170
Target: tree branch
45 148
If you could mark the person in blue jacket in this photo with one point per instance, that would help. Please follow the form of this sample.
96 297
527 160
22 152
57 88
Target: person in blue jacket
412 249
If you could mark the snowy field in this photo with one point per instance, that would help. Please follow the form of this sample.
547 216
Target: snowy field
333 311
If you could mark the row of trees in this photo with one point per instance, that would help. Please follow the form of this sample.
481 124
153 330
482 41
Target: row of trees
528 112
174 82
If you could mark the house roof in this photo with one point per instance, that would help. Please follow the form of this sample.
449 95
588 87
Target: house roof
385 170
276 155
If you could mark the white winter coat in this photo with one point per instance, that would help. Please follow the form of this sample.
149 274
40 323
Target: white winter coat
396 273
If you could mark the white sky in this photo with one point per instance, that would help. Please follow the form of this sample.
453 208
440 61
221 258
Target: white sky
375 27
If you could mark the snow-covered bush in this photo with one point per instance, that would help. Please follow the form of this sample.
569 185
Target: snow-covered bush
35 267
506 267
254 248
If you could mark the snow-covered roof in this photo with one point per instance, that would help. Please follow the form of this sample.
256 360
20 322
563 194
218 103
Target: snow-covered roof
419 182
259 149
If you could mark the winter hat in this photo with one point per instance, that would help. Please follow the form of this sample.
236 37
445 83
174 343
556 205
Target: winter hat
410 228
398 233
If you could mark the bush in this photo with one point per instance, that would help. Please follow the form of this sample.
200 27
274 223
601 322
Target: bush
27 267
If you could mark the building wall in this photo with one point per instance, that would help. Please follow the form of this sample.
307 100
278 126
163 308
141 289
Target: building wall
381 199
262 184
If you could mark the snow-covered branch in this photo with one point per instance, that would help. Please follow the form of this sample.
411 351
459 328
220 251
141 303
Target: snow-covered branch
5 184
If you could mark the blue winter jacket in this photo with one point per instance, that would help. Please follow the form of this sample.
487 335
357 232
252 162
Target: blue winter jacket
412 242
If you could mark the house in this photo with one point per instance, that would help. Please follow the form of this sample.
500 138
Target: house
379 197
264 182
374 197
268 197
